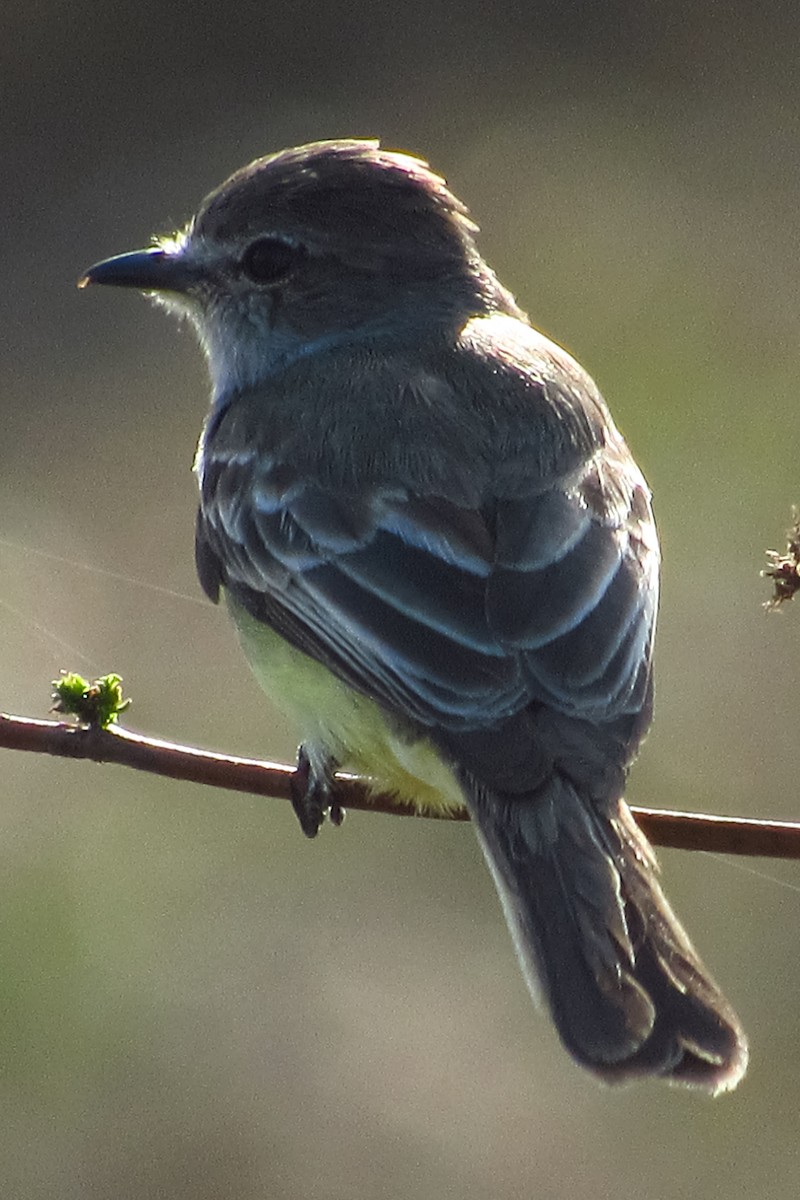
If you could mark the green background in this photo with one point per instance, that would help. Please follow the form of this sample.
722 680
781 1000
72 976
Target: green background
194 1001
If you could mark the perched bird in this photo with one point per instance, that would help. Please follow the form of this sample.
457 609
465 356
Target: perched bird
441 560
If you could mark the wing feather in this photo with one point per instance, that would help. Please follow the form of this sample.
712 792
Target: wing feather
449 613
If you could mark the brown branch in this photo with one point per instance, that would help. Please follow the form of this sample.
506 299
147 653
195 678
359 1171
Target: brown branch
682 830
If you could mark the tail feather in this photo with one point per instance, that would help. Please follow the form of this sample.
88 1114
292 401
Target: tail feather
596 938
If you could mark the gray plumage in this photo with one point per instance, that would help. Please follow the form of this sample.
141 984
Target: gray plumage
417 490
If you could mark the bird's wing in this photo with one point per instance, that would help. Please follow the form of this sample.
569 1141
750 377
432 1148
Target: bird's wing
452 615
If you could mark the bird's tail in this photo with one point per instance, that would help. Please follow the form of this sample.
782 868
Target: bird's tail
597 938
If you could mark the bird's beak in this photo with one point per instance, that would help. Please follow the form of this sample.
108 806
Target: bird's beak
153 270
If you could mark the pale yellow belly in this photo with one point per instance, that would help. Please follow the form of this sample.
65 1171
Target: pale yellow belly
352 728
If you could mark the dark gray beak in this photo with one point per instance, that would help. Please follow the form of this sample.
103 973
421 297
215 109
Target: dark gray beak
148 270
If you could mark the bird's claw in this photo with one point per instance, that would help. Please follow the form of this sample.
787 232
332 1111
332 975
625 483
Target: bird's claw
312 793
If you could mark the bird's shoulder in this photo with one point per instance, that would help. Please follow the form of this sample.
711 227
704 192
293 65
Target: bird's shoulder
491 406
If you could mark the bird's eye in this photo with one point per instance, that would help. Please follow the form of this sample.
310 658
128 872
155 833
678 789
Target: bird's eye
271 259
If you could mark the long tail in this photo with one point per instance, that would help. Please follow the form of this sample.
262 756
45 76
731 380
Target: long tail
597 938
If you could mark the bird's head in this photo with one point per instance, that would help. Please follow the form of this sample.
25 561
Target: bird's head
327 243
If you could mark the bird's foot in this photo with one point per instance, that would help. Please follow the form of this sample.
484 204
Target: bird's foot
312 791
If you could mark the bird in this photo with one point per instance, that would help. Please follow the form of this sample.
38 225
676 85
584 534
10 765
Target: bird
442 563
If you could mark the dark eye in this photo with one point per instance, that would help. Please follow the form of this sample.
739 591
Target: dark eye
271 259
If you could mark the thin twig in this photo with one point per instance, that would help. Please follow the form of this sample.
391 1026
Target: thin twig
784 569
682 830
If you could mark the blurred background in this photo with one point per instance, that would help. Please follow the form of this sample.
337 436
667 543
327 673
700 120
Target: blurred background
195 1001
